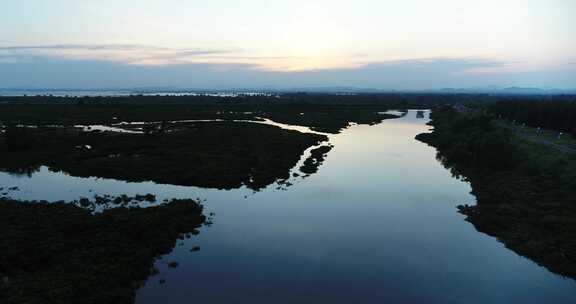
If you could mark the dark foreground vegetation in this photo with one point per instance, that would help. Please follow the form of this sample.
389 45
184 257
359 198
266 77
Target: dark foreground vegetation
207 154
60 253
526 193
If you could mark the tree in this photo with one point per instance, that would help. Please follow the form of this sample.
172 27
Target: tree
19 138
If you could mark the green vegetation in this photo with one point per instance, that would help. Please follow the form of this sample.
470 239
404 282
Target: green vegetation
64 253
101 202
542 134
106 110
472 140
525 191
60 253
323 117
316 159
17 139
208 154
553 113
218 154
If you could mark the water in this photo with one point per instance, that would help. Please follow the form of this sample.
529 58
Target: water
376 224
127 92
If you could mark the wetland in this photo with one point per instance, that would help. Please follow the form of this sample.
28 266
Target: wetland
220 202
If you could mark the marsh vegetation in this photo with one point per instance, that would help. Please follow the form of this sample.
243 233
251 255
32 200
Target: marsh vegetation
61 253
208 154
100 248
525 191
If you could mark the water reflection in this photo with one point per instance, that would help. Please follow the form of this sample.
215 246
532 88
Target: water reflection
26 171
377 223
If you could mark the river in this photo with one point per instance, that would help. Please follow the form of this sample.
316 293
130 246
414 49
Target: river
377 224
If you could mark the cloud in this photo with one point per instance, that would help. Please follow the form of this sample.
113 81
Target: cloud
121 53
135 54
77 46
429 73
92 66
457 65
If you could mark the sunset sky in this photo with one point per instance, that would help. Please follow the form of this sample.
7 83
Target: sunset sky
223 43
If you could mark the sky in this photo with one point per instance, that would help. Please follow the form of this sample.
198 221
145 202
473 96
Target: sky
381 44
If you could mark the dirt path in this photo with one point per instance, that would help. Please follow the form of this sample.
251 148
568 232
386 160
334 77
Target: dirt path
540 139
529 136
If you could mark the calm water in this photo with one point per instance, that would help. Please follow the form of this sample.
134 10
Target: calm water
376 224
126 92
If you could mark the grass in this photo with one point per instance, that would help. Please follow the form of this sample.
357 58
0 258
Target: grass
548 135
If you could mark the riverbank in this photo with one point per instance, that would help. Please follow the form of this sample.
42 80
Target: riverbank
525 192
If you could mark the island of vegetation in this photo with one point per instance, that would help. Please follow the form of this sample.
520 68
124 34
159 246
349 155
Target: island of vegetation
316 159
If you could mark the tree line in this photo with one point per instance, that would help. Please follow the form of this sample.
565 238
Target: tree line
547 113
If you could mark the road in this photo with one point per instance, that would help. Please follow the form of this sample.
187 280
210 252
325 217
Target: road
532 137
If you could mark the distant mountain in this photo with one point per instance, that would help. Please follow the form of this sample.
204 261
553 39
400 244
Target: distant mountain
505 90
311 89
